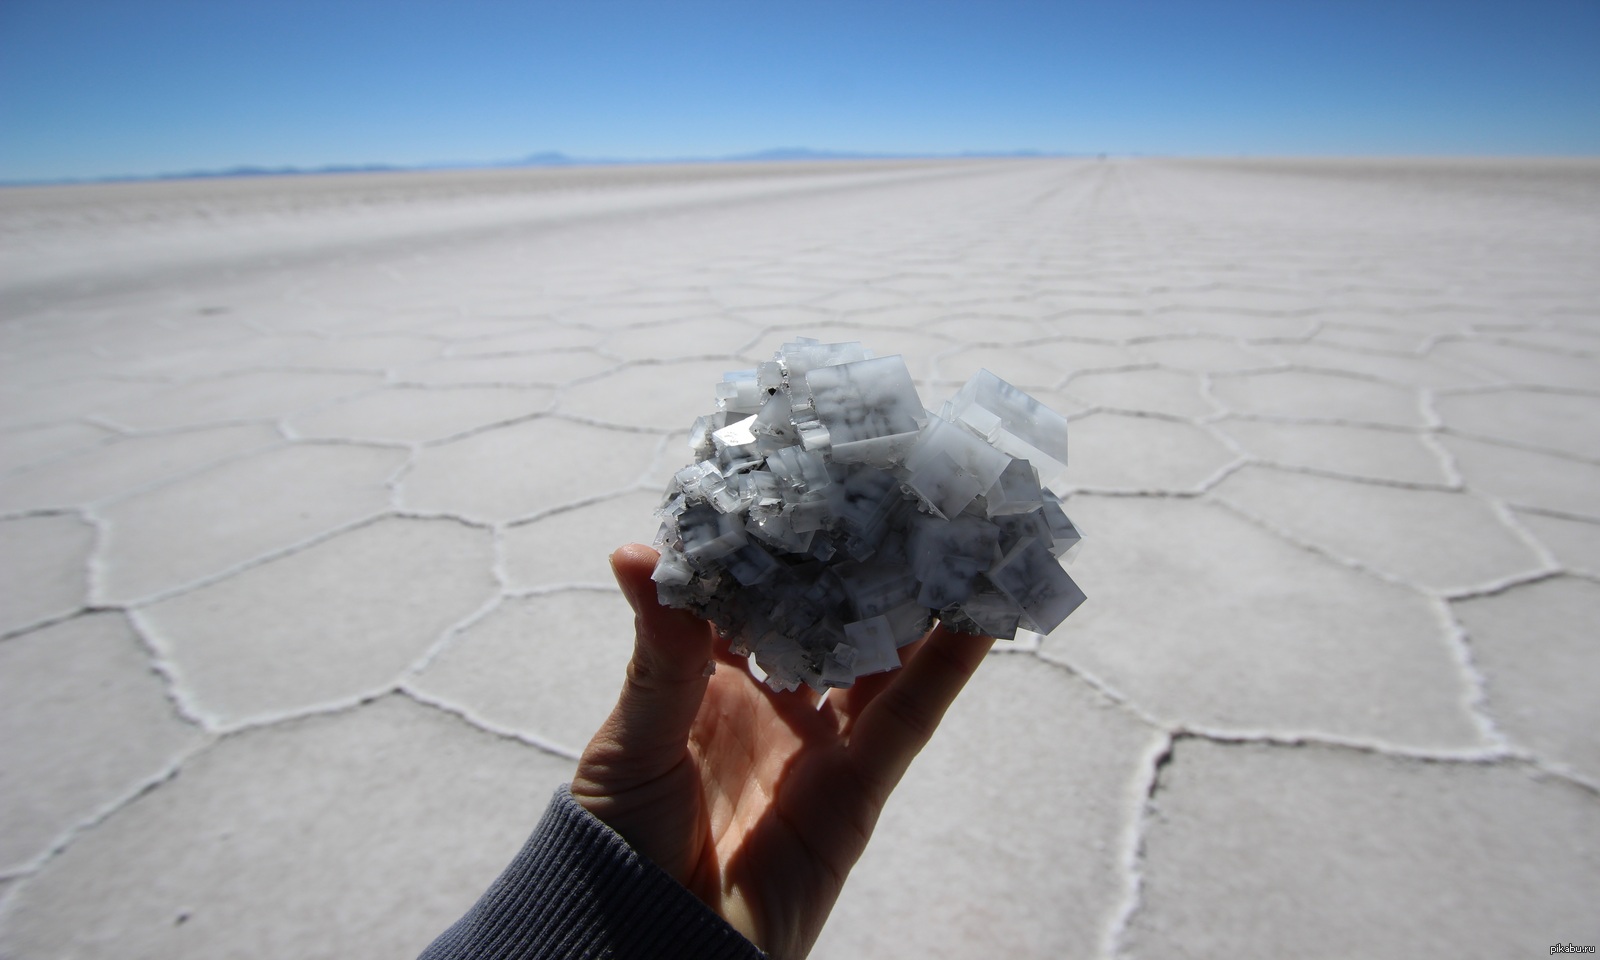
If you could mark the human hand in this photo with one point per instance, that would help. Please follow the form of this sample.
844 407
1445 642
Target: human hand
758 802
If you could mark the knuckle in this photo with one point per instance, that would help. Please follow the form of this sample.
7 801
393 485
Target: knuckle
871 793
917 722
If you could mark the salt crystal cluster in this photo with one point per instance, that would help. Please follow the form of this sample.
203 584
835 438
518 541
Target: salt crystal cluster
828 517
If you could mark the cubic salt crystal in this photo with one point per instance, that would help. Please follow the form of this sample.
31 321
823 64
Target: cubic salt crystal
774 420
950 466
1034 581
739 392
828 517
873 640
709 534
1016 491
869 407
1013 421
1064 533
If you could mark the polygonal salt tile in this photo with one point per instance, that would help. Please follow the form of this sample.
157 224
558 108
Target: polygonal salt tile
324 625
1363 337
1259 851
787 318
466 329
85 723
1111 327
1071 356
1431 538
218 358
985 328
1031 781
547 369
271 837
44 568
658 396
859 300
1022 368
1203 618
420 414
49 403
40 365
548 667
612 315
543 338
1313 395
1171 392
127 464
1526 478
368 353
679 284
1406 371
741 296
928 285
906 316
1575 543
1245 299
1372 453
261 395
1560 422
673 454
1204 354
1535 646
1114 451
1565 339
528 468
30 445
205 524
367 314
1534 366
682 339
574 546
1238 326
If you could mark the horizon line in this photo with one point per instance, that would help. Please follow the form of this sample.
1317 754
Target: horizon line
559 159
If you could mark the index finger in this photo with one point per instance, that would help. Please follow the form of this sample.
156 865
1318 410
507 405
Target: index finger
900 720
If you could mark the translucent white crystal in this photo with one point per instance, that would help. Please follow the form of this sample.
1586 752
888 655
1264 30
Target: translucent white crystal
869 407
1032 578
873 643
1013 421
1016 491
950 466
827 517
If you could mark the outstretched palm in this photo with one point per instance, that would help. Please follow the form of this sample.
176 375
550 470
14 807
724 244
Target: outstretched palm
758 802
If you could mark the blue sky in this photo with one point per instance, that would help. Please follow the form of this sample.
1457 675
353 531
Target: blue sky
133 87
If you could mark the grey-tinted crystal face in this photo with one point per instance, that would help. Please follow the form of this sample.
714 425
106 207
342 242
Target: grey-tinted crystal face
870 409
1014 422
828 518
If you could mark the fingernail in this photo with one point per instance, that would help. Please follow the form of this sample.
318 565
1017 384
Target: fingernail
622 582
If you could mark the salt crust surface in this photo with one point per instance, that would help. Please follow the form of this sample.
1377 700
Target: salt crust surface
828 517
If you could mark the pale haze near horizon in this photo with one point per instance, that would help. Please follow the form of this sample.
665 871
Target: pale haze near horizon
100 89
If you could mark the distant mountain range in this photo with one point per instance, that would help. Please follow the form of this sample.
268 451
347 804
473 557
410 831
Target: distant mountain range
557 159
547 158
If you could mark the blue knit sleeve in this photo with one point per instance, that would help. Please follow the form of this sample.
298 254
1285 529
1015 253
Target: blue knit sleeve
577 890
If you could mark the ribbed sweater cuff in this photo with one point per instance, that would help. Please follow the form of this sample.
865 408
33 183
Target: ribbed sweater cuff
577 890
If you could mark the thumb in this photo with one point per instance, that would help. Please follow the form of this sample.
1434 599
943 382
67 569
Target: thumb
666 678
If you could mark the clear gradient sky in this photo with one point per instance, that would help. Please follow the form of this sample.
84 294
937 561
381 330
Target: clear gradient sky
93 88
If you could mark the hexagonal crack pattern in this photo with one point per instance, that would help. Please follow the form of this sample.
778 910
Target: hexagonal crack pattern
305 554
